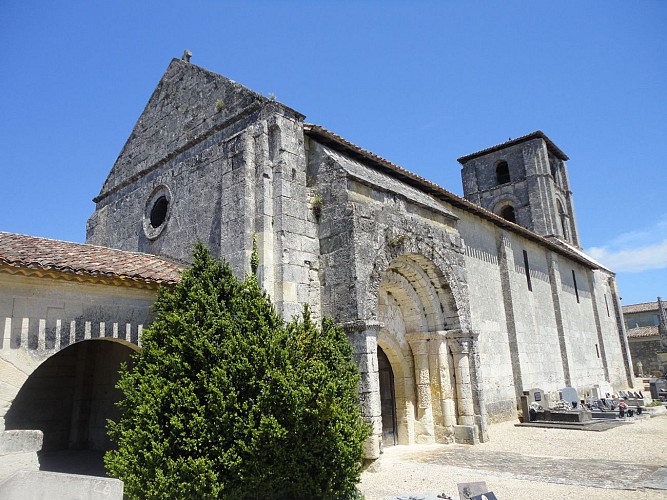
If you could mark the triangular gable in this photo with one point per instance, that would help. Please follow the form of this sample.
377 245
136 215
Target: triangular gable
187 102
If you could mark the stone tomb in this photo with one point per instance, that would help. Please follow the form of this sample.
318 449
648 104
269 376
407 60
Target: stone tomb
538 396
472 490
570 395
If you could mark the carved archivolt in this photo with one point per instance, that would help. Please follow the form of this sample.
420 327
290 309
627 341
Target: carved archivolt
440 266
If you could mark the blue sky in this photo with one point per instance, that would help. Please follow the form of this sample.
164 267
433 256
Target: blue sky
419 83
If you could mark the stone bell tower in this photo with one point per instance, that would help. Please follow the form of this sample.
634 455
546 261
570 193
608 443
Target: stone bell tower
525 181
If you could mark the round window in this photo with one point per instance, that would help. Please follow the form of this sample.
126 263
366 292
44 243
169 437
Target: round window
156 212
159 211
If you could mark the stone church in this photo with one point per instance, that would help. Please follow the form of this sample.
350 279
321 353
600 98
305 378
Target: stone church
454 306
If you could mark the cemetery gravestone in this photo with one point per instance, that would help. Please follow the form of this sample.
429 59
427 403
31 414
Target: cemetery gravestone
471 490
570 395
538 396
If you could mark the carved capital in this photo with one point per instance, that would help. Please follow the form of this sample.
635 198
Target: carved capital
461 341
418 341
362 325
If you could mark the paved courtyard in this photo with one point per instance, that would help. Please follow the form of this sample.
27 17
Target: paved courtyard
528 462
627 461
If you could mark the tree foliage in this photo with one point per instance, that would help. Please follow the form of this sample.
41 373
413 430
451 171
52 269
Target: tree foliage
225 400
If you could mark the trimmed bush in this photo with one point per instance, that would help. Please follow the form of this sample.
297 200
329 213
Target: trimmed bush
225 400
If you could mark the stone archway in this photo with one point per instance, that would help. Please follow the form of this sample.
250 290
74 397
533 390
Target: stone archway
415 310
440 268
70 396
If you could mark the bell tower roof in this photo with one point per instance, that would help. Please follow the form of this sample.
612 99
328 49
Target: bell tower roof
538 134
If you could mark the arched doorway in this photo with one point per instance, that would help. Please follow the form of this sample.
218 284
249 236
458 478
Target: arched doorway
69 397
415 307
387 400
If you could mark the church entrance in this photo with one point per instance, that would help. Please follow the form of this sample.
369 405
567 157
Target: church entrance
387 399
417 380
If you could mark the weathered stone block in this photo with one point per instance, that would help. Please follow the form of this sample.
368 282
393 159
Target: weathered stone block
466 434
53 485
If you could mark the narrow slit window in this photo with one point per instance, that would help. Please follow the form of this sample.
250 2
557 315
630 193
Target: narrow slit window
597 350
606 304
527 269
576 290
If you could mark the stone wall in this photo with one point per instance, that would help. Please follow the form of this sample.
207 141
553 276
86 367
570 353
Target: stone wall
536 328
488 311
25 484
644 350
393 271
40 317
231 165
546 333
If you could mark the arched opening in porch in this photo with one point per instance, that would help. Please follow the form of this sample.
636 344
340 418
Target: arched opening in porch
69 397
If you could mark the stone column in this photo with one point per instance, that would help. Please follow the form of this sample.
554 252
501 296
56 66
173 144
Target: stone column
623 338
420 343
506 266
363 337
478 392
460 342
447 395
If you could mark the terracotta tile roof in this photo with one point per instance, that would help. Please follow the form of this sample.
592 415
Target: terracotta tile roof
20 252
538 134
334 141
643 307
643 331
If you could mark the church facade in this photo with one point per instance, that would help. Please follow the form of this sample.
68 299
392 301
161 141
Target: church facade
455 306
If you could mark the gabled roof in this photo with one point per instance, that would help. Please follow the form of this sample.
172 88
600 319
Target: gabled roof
643 307
538 134
643 331
336 142
30 255
188 105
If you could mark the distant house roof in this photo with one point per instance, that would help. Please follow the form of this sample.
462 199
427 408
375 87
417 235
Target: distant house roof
538 134
643 331
643 307
30 255
337 143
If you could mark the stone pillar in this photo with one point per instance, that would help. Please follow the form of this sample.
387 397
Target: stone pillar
363 337
553 263
448 405
424 429
478 392
460 342
506 266
623 338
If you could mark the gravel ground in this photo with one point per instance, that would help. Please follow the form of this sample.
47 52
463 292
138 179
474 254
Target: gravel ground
531 463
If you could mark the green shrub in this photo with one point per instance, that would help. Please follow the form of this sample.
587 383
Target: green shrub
227 401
